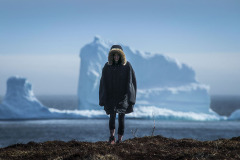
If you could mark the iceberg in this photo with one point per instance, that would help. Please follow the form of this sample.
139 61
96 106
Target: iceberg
235 115
167 90
162 81
21 103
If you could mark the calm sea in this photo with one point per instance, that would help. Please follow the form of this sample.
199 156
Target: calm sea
92 130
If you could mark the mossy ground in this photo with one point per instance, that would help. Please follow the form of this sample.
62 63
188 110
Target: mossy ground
152 147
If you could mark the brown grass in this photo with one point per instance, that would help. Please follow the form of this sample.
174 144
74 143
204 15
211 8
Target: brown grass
152 147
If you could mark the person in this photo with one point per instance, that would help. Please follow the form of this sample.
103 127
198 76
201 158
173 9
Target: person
117 90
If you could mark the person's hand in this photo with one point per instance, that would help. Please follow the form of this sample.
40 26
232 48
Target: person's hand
130 103
101 104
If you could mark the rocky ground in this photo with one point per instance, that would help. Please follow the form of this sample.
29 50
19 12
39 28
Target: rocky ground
152 147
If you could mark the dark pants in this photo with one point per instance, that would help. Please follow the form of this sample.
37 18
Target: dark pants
120 122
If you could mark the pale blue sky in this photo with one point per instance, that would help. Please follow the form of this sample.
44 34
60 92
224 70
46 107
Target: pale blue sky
172 27
63 26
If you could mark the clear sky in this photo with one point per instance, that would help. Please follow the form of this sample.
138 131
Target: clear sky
202 33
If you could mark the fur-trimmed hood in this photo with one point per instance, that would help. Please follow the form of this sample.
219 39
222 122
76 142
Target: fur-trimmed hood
120 53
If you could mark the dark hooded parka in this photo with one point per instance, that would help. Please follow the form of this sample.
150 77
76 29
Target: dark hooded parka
118 87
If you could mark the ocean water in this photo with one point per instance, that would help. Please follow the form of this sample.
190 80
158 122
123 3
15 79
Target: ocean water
92 130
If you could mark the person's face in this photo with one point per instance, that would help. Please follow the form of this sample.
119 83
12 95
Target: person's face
116 57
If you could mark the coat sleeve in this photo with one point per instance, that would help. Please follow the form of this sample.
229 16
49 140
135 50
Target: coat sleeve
132 91
102 89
